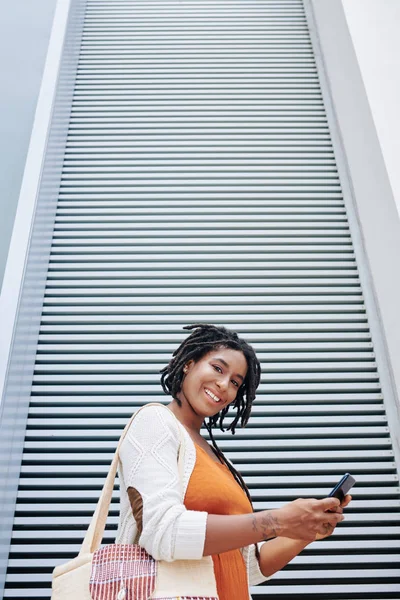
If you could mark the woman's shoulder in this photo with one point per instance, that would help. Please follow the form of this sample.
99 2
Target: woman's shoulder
154 427
154 410
155 416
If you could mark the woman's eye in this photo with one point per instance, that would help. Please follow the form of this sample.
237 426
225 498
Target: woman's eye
217 368
235 383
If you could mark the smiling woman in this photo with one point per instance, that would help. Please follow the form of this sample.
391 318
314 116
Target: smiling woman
184 502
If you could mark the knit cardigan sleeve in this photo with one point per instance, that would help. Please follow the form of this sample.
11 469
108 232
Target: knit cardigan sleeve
148 460
254 573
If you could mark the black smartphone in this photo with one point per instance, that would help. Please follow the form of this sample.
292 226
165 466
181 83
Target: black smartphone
343 487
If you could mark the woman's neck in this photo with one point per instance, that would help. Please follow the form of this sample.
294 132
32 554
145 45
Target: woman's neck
186 415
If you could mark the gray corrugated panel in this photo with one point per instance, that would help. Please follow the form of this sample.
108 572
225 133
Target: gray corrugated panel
189 289
156 314
77 207
200 184
150 159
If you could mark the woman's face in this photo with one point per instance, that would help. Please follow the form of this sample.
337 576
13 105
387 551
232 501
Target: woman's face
213 381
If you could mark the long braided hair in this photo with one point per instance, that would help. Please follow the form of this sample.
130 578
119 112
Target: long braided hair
204 339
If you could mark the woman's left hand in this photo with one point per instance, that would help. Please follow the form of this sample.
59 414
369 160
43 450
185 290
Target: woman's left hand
329 528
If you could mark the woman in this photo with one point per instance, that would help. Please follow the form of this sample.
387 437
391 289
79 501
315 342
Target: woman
201 517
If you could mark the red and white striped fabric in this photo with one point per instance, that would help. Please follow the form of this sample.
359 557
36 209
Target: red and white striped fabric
126 572
122 572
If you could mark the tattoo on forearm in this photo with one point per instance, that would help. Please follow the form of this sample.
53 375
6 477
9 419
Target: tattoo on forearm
267 525
254 523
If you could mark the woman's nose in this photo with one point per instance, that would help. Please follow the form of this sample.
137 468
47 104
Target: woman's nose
222 383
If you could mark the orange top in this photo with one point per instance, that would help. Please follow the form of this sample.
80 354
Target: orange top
212 488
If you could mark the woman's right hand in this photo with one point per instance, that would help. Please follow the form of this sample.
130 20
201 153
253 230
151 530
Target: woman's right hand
306 518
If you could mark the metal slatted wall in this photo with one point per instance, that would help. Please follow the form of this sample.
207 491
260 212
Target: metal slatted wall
200 184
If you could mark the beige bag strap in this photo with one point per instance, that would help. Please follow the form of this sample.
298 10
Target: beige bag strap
95 531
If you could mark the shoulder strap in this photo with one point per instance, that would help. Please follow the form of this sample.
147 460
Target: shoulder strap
95 531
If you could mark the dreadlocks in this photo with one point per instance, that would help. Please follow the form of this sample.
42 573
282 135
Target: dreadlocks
204 339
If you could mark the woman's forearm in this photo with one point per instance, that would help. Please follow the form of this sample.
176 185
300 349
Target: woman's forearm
298 520
276 553
229 532
226 532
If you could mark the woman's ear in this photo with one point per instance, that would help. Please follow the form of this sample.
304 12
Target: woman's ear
187 367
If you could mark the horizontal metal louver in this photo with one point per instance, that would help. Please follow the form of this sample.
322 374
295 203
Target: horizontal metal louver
200 184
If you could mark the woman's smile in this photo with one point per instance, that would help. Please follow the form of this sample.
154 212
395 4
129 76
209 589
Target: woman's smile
213 396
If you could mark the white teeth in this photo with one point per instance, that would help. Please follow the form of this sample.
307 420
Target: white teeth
213 396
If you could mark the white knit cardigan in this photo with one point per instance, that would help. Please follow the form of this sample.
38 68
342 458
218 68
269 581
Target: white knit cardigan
148 463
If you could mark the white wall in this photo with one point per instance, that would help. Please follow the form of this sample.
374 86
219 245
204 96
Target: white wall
375 29
25 28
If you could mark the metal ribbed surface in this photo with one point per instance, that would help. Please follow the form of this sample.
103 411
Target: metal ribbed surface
200 184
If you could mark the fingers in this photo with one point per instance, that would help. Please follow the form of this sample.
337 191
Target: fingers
334 509
325 531
327 528
346 501
339 509
332 513
308 518
329 504
334 518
